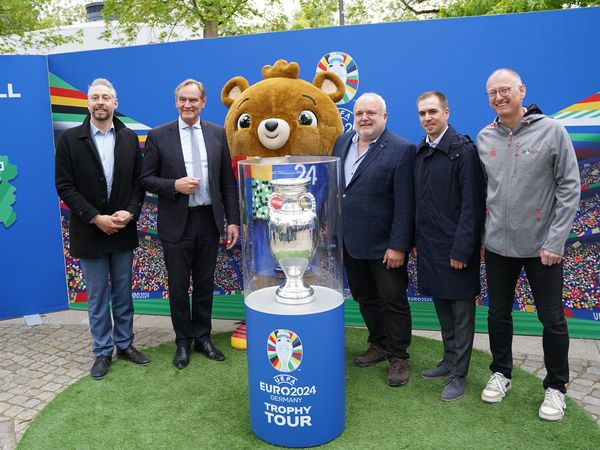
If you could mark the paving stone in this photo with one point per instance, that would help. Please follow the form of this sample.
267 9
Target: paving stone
31 403
577 395
591 376
593 409
26 415
7 435
51 387
4 406
13 411
18 400
4 396
589 400
594 369
583 382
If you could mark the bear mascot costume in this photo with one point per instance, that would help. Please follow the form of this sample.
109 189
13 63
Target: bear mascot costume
279 116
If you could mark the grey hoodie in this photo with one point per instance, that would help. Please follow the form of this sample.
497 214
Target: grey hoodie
533 185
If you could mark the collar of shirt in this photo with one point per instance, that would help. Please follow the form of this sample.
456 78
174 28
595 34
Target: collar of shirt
437 141
356 137
183 125
95 130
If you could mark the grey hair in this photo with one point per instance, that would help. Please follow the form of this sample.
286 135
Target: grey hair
103 82
187 83
375 96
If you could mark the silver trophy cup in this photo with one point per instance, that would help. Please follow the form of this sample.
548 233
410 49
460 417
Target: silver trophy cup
292 228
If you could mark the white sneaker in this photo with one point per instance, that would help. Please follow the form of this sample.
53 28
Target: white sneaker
553 407
496 388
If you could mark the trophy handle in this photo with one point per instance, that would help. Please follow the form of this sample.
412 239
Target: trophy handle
310 199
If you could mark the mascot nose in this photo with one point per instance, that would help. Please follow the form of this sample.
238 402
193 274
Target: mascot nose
271 125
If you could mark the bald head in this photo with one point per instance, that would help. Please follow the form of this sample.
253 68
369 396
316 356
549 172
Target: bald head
507 72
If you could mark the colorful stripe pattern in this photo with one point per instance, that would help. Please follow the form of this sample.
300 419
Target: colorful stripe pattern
69 108
582 120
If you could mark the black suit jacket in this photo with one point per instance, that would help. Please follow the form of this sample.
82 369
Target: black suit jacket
378 203
80 183
163 164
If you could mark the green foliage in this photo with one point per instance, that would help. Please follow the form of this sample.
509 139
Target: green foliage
200 18
27 25
462 8
316 14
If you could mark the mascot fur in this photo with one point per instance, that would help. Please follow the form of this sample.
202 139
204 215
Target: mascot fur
279 116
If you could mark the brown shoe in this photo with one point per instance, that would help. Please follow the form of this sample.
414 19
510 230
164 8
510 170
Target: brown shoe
398 374
372 356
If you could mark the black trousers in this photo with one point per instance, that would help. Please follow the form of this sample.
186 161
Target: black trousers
546 285
457 321
194 254
381 295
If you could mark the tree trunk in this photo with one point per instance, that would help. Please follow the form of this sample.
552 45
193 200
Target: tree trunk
210 29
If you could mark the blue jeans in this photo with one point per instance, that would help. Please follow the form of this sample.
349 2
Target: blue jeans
108 280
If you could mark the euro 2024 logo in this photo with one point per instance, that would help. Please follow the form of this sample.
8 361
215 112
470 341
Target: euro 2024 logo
344 66
284 349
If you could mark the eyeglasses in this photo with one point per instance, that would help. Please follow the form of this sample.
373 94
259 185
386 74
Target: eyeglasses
503 91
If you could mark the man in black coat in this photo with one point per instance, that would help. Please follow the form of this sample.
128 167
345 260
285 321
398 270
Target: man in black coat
377 223
187 163
450 205
97 176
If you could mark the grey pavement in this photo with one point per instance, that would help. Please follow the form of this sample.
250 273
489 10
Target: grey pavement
38 362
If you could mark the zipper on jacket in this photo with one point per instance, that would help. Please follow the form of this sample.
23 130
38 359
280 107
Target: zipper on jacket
508 183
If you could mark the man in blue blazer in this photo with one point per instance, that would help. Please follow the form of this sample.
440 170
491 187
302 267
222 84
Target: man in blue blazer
187 164
377 222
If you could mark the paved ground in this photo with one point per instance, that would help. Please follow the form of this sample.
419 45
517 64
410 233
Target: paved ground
38 362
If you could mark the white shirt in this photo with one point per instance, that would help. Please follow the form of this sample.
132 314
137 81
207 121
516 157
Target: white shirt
186 145
105 144
438 139
353 159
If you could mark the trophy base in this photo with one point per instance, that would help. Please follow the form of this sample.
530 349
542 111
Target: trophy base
294 297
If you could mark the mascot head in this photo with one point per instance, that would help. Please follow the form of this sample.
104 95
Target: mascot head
282 115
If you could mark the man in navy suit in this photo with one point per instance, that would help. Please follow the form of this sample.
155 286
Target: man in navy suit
377 222
187 164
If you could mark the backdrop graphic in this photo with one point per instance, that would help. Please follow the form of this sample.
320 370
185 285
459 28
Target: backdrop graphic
31 267
551 50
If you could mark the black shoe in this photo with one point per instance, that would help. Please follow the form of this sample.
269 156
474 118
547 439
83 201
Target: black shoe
182 357
100 367
208 349
133 354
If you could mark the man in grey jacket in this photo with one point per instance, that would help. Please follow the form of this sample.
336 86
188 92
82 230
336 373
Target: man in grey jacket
532 195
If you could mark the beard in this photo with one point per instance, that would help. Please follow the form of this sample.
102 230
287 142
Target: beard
101 115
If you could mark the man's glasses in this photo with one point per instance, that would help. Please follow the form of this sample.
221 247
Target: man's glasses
503 91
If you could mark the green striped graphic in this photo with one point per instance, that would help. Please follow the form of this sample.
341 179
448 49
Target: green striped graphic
585 137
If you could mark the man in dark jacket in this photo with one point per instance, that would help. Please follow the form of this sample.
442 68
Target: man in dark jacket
377 222
97 169
187 164
449 195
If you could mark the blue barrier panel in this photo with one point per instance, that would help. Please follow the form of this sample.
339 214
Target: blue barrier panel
32 268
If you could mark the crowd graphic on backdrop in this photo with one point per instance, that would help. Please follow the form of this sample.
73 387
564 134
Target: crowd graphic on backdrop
149 274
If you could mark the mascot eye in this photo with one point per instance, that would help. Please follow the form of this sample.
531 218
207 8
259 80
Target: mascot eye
307 118
243 121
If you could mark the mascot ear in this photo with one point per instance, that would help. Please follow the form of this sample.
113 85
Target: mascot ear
331 85
232 90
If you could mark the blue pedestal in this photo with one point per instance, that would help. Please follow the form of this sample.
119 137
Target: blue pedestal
296 368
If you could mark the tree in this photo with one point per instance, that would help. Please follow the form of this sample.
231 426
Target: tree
27 25
316 14
200 18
